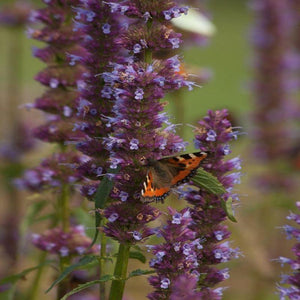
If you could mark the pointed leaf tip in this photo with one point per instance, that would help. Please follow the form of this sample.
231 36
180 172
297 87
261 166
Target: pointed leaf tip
208 182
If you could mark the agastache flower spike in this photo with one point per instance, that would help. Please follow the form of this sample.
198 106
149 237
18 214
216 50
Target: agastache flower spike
57 173
274 86
62 74
175 256
94 106
137 85
289 287
61 77
212 136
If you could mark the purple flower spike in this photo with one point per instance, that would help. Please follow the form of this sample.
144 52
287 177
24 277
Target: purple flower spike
275 82
289 287
212 136
62 74
175 256
126 92
185 287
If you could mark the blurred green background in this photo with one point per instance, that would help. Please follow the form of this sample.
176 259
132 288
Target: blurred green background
228 55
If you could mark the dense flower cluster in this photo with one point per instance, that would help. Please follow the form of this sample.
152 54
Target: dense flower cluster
290 287
137 122
175 256
275 66
62 75
61 78
100 27
53 172
213 136
185 286
194 239
119 102
73 242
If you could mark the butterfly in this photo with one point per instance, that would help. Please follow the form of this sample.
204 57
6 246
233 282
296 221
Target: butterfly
168 172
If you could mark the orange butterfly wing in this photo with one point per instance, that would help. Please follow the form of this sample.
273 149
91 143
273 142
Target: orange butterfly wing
190 163
150 192
181 167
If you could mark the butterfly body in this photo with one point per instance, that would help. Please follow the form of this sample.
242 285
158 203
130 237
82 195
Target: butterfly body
168 172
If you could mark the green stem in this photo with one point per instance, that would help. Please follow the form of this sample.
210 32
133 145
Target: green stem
14 75
64 285
64 219
64 207
102 263
148 56
118 284
33 293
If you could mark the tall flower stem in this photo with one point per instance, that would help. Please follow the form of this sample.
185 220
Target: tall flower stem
64 219
117 286
33 293
64 209
14 96
102 262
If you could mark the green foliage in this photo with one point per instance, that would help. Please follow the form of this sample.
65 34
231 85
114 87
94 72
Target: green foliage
137 255
140 272
227 206
22 275
84 262
33 212
100 199
86 285
211 184
208 182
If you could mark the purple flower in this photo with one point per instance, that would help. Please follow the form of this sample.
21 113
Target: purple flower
211 136
139 94
274 87
290 284
137 48
207 215
175 256
175 42
134 144
52 173
71 243
106 28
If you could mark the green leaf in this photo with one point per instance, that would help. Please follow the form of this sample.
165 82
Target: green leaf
87 285
227 206
140 272
14 278
83 262
137 255
100 199
208 182
33 211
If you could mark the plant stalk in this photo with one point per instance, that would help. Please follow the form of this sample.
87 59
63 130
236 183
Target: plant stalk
102 263
64 219
33 293
118 284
